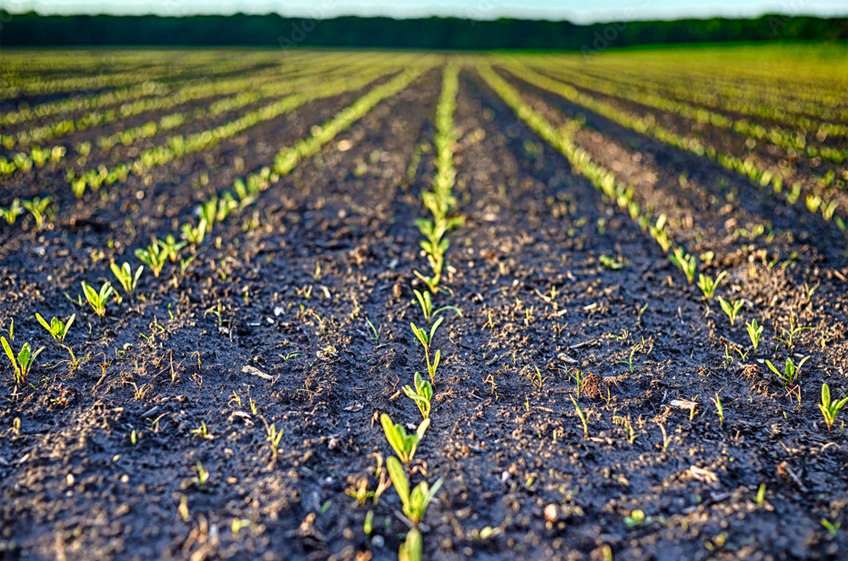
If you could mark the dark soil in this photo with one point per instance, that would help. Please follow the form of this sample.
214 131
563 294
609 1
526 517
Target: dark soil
103 462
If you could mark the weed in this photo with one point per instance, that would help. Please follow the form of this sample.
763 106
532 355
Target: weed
719 408
97 300
731 308
830 409
708 285
126 277
422 395
629 361
538 380
403 444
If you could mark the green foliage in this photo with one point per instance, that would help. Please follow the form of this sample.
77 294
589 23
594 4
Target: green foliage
154 257
22 363
426 341
830 409
425 301
57 328
755 331
411 549
97 300
403 444
731 308
415 503
708 285
11 213
126 277
422 395
791 371
685 262
37 208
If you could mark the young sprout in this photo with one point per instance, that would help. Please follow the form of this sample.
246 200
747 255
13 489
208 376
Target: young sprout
422 395
171 247
610 263
708 285
582 416
403 444
426 340
425 300
11 214
755 330
415 503
97 300
719 408
37 207
25 359
195 234
830 409
153 257
411 549
57 328
791 371
126 277
731 308
685 262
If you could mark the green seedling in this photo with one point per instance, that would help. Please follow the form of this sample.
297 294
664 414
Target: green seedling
57 328
126 277
685 262
25 359
97 300
789 334
171 248
791 371
415 503
708 285
195 234
403 444
831 527
830 409
731 308
411 549
37 207
610 263
719 408
755 331
426 340
11 213
154 257
582 416
422 395
425 300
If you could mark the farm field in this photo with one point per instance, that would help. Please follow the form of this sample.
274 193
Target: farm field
586 307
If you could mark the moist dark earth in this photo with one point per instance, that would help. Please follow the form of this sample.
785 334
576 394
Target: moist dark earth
269 325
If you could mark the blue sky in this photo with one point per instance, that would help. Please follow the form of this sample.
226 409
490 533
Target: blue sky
581 12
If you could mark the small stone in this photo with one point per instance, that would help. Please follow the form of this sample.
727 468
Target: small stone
551 513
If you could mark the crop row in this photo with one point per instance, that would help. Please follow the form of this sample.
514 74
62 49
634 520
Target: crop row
40 156
792 142
190 92
646 125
